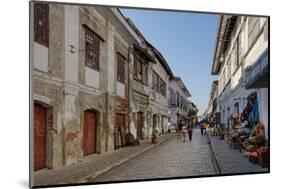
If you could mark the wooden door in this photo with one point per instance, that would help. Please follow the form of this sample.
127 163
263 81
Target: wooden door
218 117
119 127
89 133
39 137
139 125
154 121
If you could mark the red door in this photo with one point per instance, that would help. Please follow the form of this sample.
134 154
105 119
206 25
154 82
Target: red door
139 125
119 127
119 140
89 133
39 137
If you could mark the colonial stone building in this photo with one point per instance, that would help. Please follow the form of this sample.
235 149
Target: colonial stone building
89 64
178 101
81 61
159 108
148 90
140 90
212 113
242 46
96 81
149 100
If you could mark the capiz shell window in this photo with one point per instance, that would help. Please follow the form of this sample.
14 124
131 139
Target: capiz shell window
92 49
41 23
120 68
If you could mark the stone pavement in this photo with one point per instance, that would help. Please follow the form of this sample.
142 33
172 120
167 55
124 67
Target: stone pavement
172 159
93 165
231 161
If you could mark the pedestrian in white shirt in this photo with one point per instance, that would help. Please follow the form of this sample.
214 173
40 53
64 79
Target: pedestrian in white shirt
184 131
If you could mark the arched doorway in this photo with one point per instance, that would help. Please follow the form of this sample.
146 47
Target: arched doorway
89 132
40 125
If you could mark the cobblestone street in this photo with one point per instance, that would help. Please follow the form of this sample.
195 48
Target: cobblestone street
172 158
177 159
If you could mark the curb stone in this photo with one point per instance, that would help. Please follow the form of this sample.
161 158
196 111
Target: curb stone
214 156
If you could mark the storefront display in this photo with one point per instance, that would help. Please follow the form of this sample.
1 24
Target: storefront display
247 133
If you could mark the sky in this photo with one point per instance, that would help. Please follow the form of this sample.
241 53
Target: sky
187 41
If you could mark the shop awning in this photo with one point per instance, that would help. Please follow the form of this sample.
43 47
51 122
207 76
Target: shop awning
257 75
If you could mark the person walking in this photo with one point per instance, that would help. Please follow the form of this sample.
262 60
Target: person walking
179 129
206 126
202 128
190 131
184 131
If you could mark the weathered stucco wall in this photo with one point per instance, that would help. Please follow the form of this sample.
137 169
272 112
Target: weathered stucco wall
50 94
64 88
56 41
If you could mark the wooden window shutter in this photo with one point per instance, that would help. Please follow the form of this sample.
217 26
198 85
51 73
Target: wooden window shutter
178 99
153 80
41 23
122 61
92 49
139 68
135 66
146 74
158 84
120 68
161 85
253 29
165 89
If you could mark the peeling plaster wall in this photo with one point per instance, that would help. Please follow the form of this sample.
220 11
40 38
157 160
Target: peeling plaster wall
63 87
56 41
50 93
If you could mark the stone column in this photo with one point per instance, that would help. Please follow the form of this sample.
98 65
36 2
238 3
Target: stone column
131 99
149 125
72 148
111 87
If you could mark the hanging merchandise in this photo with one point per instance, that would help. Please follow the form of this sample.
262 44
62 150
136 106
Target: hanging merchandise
247 133
254 115
251 112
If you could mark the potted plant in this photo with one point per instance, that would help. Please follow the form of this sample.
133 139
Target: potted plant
154 136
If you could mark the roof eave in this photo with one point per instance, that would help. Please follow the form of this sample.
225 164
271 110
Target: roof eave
161 59
143 51
215 62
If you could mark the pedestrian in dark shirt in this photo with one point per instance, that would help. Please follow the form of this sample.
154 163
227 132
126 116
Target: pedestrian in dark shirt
190 130
202 128
179 129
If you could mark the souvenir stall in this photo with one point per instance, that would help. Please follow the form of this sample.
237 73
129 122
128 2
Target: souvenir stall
248 134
